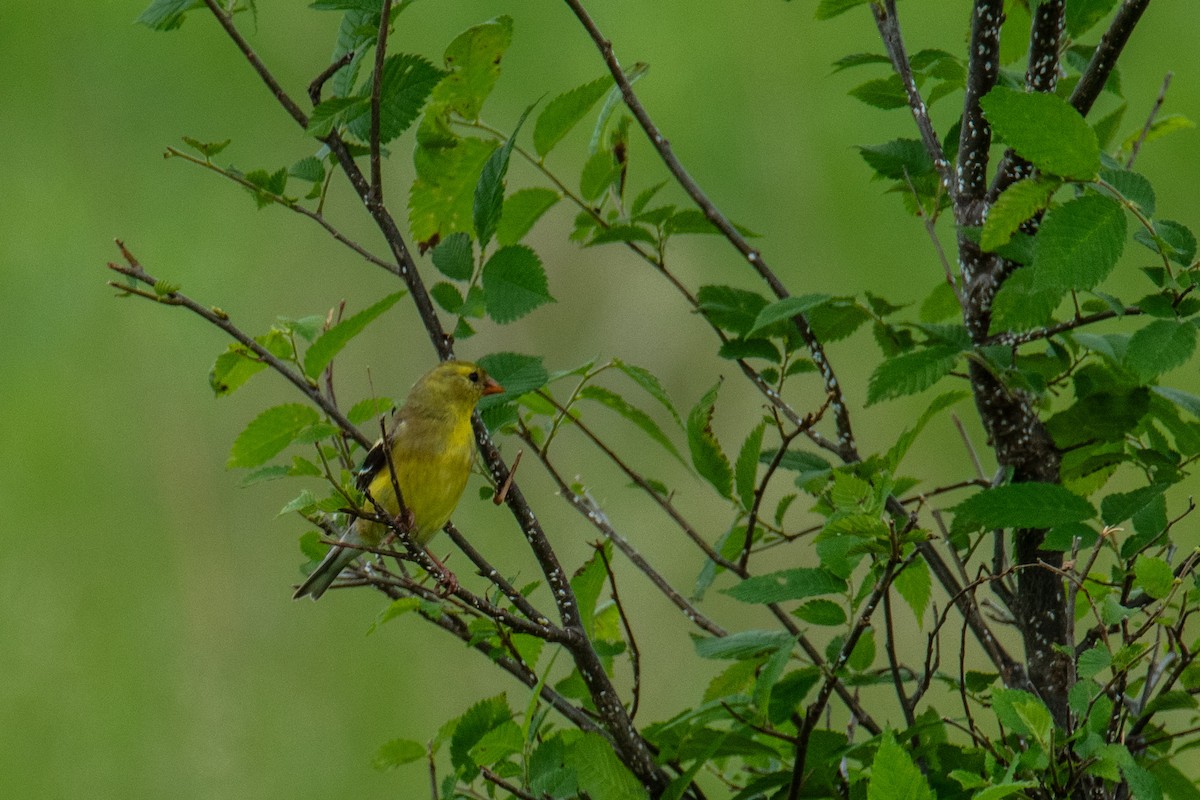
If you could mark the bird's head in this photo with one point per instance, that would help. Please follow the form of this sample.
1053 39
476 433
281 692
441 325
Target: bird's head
456 384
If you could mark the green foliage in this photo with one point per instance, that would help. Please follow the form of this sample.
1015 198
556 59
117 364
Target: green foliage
707 456
269 433
514 283
1044 129
1078 244
330 343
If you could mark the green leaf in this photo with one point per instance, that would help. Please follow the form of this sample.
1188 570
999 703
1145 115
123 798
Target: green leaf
441 201
396 752
828 9
1153 576
1082 15
518 374
514 283
498 744
1093 661
730 309
599 173
791 584
1045 129
599 772
1172 239
742 645
332 113
1116 508
911 373
331 342
785 309
692 220
210 149
447 296
167 15
915 586
1019 202
405 84
746 467
632 413
707 456
623 233
1021 505
898 160
1078 244
473 725
522 209
1162 126
473 59
454 257
309 168
894 775
1159 347
1133 187
884 93
1023 713
565 111
269 433
646 379
489 192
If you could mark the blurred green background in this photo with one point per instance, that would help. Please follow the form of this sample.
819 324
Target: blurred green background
148 643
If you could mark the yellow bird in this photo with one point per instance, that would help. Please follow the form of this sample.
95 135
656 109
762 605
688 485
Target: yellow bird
432 449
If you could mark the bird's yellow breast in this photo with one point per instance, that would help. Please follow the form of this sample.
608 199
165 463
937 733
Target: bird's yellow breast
432 458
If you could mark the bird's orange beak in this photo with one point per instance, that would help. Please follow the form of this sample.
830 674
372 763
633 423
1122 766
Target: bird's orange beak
491 387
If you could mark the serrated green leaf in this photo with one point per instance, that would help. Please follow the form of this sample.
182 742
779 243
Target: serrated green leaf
447 296
1133 187
397 752
1092 662
1078 244
1160 347
746 467
647 380
619 404
518 374
898 160
791 584
821 612
473 725
730 309
894 775
522 209
269 433
1172 239
1082 15
473 59
331 342
707 456
1021 505
498 744
884 93
915 586
1017 203
911 373
742 645
1116 508
859 60
623 233
442 198
332 113
489 192
369 409
828 9
600 171
514 283
1045 129
310 168
167 15
405 84
208 149
1153 576
599 772
565 111
785 309
454 257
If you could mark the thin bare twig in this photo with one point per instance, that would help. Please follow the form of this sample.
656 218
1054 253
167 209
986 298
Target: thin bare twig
1158 104
385 19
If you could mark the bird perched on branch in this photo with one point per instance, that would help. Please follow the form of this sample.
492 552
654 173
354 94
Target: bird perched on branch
432 447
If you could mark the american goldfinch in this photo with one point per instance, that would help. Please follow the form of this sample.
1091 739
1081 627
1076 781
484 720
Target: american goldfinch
432 449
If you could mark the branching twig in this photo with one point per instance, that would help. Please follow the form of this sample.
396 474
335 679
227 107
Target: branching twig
1158 104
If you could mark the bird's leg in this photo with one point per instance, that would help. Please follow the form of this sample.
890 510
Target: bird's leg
446 580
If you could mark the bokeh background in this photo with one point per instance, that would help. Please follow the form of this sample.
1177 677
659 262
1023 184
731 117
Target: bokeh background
148 643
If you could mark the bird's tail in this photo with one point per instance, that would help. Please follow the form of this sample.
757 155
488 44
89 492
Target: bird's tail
330 567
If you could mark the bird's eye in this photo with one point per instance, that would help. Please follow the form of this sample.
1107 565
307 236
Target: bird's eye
474 377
